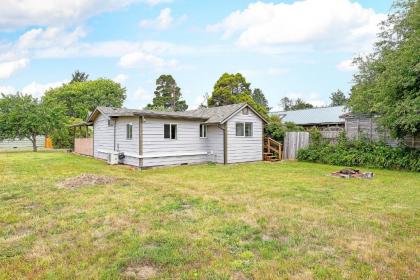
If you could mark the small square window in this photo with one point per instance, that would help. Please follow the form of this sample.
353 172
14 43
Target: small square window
203 131
239 129
245 111
110 123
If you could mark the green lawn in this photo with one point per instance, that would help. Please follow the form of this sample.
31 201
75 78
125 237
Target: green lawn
248 221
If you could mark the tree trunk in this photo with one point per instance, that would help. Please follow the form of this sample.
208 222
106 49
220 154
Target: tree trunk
33 140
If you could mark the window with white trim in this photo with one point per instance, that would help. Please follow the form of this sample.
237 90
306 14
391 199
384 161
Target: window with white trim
170 131
244 129
129 129
240 129
203 130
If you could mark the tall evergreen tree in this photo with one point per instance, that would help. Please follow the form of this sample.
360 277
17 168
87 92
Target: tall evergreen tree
167 95
78 76
338 98
259 97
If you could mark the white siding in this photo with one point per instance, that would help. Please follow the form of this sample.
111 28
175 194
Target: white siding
242 149
103 137
128 146
22 143
215 141
188 141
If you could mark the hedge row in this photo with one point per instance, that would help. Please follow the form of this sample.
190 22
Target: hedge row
362 153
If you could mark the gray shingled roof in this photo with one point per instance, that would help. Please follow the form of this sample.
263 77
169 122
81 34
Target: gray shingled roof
328 115
216 114
209 115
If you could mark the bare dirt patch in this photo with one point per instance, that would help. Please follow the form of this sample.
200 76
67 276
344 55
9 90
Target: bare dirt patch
140 272
86 180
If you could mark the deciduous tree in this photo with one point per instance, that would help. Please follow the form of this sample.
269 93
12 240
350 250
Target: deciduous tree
22 116
234 89
388 80
80 98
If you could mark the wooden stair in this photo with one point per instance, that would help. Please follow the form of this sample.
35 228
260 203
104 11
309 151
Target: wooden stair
272 150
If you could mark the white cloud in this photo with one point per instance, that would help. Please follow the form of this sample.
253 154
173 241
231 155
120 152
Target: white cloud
8 68
120 78
199 100
34 88
7 90
163 21
38 89
156 2
320 23
140 96
142 59
347 66
24 13
39 38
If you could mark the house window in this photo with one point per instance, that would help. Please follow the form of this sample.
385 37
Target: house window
248 129
240 129
170 131
129 131
244 129
203 130
245 111
110 123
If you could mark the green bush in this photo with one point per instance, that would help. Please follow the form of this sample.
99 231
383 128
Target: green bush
362 153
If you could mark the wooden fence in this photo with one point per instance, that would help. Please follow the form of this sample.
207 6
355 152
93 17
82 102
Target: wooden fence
293 141
83 146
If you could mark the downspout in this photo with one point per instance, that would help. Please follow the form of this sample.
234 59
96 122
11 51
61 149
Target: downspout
225 154
115 134
141 121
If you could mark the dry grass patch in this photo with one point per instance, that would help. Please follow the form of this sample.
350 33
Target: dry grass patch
87 180
140 271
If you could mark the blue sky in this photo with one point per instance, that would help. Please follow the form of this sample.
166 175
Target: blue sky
286 48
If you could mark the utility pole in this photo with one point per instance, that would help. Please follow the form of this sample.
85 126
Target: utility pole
174 97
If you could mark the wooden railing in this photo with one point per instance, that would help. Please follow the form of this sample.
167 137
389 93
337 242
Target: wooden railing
272 149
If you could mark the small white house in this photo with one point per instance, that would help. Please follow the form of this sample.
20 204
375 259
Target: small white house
143 138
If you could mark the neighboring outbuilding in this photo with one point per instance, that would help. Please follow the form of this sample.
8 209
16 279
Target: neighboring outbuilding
22 144
327 118
364 126
144 138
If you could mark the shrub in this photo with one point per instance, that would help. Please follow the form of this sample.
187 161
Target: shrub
362 153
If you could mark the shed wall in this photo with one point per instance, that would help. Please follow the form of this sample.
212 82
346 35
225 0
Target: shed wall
22 143
103 137
243 149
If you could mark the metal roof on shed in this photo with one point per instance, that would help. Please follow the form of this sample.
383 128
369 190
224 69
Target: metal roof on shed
327 115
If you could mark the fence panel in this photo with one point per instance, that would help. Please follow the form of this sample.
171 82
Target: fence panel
83 146
293 141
